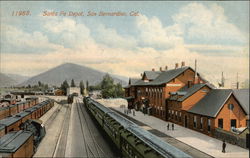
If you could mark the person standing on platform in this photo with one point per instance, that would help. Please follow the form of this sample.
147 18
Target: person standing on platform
172 126
168 126
224 146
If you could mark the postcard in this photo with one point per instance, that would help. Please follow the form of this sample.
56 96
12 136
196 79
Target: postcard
150 56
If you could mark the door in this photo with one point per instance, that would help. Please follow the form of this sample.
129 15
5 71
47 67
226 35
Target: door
186 121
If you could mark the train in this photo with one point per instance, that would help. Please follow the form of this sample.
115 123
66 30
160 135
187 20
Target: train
70 98
129 138
14 122
17 107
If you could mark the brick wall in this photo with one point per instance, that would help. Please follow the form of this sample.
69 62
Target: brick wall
227 114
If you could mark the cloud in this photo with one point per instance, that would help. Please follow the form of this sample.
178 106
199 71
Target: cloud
111 38
15 39
153 34
68 32
155 45
208 25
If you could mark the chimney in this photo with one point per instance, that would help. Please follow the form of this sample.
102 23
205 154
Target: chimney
182 64
166 68
195 71
161 69
153 69
176 65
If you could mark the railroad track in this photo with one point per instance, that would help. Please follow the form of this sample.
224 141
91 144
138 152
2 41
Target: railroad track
92 148
52 117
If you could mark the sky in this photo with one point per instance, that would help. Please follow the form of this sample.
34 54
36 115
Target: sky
147 35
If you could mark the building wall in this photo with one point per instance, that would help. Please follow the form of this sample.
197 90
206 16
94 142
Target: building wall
72 90
157 95
204 128
237 113
224 113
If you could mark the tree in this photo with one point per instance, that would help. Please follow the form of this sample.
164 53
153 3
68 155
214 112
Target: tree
109 89
87 85
39 83
119 92
72 83
64 86
81 85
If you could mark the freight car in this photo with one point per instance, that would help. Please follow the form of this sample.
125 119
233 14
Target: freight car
70 98
131 140
18 107
17 144
13 123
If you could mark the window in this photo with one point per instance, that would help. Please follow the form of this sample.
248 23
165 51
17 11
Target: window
180 117
176 116
220 123
201 123
208 125
195 120
230 107
233 123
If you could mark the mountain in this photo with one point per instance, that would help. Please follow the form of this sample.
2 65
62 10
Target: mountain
18 78
69 71
6 81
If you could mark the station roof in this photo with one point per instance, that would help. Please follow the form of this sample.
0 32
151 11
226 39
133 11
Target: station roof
243 97
162 77
167 76
151 75
211 104
12 141
187 92
132 81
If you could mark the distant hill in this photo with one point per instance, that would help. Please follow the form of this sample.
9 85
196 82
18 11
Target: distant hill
69 71
18 78
6 81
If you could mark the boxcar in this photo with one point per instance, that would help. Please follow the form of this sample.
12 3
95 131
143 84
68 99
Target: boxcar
2 130
13 109
17 144
4 112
